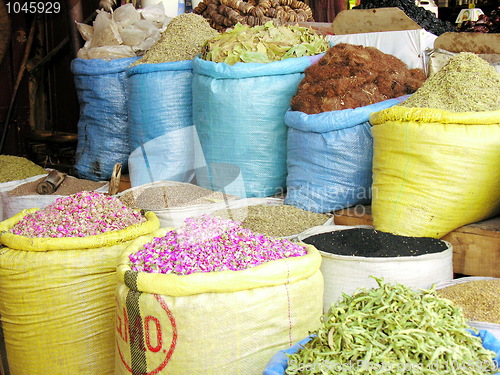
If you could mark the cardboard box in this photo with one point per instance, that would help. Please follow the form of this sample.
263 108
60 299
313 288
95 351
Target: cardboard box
356 21
479 43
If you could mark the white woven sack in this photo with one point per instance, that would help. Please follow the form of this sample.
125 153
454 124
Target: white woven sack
173 217
492 327
9 185
346 274
241 214
16 203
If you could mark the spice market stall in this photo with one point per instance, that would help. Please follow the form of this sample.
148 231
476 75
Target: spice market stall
249 138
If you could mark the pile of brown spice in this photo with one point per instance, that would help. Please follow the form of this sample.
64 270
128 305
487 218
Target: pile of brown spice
478 299
351 76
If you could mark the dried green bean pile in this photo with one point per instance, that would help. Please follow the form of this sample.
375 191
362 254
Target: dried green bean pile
393 330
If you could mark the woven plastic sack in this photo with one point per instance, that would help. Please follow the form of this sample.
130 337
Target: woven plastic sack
162 136
103 123
57 302
227 322
239 111
434 170
329 157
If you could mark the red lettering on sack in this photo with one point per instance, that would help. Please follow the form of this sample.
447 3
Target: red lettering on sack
149 342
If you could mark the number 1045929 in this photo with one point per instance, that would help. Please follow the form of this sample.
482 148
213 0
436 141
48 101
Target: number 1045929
33 7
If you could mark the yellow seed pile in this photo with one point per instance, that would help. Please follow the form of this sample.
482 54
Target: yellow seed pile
479 299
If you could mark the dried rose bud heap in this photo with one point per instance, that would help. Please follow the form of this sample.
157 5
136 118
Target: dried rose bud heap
210 244
85 213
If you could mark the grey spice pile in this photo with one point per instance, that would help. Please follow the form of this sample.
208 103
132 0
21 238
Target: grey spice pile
467 83
183 39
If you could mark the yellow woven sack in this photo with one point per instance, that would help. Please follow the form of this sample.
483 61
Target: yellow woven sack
224 323
434 170
57 300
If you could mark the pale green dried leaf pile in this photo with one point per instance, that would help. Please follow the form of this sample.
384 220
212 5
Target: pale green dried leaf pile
467 83
263 44
183 39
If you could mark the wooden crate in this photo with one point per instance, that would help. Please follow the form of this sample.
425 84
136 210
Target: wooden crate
476 247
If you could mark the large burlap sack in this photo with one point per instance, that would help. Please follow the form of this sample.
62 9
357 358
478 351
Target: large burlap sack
57 301
434 170
227 322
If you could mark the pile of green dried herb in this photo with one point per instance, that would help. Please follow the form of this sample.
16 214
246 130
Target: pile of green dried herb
13 168
263 44
276 220
183 39
467 83
393 330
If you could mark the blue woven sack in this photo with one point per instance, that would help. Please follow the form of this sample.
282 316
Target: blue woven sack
162 136
238 112
329 157
103 123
